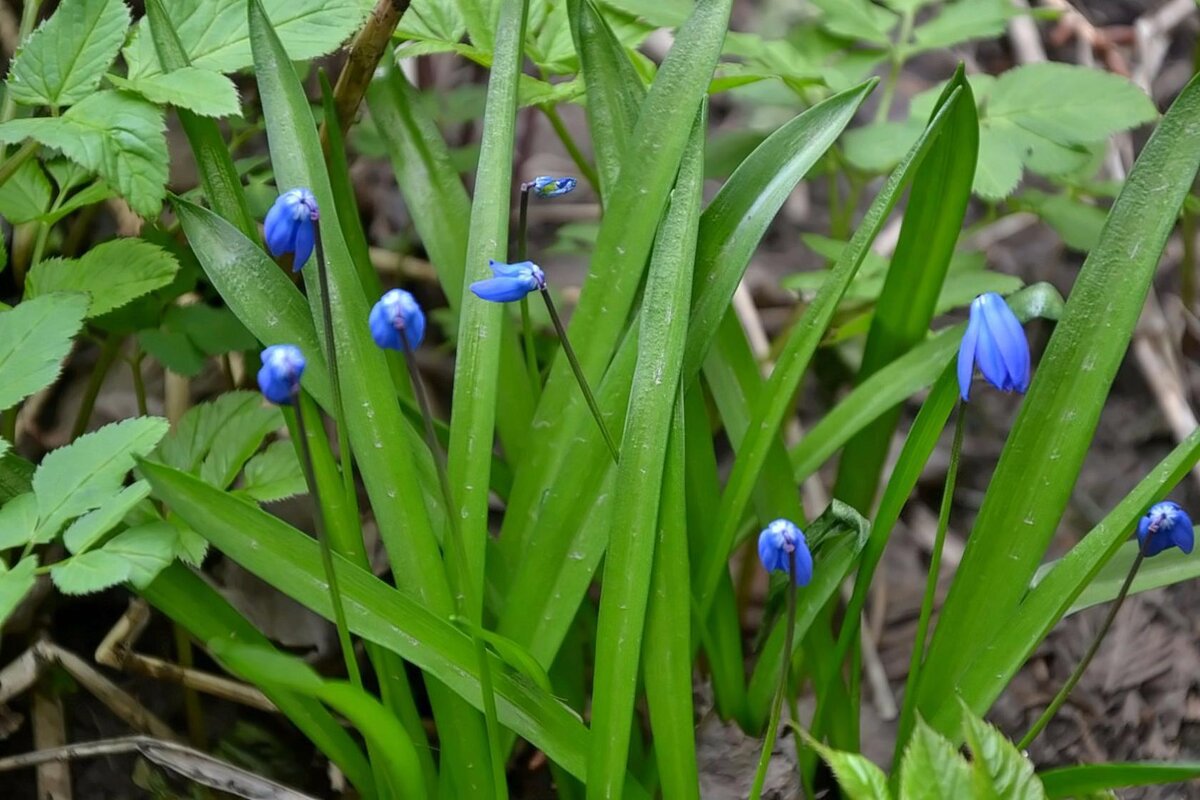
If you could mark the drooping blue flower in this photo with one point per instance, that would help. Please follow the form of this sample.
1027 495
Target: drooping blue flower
279 378
291 226
547 186
995 342
777 542
512 281
397 318
1164 526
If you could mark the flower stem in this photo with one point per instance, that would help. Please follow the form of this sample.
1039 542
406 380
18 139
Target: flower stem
579 376
935 562
1065 691
531 365
139 383
764 760
458 555
335 595
344 453
109 351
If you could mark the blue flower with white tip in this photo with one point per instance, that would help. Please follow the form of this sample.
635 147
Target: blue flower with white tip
995 342
1164 526
291 226
546 186
279 378
778 542
511 281
396 319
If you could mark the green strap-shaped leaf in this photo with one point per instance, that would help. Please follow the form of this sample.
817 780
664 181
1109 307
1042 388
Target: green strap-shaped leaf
63 61
291 562
192 603
1033 480
941 190
652 399
1079 781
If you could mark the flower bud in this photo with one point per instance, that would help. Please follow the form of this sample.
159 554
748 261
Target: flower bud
397 319
1164 526
546 186
291 226
995 342
279 378
778 543
512 281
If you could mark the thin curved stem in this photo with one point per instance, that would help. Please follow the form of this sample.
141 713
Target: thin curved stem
764 760
1065 691
335 595
579 376
935 562
531 365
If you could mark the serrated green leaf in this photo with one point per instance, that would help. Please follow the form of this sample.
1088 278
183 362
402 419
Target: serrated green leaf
34 338
115 134
90 572
62 62
1000 164
1067 103
191 546
112 274
15 583
998 770
1078 223
933 769
18 520
274 474
197 431
214 331
74 479
207 93
26 195
87 530
147 549
216 37
962 21
858 19
857 776
237 441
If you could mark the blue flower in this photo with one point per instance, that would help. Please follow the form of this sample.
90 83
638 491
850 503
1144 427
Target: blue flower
512 281
396 313
1165 525
291 226
279 378
546 186
995 342
775 545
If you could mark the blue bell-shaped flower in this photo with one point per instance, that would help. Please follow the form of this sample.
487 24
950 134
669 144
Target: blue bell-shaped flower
546 186
995 342
291 226
511 281
397 318
1164 526
279 377
776 544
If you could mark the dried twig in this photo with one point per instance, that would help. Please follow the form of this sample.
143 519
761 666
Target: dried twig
368 48
192 764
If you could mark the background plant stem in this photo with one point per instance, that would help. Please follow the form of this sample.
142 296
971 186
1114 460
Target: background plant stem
764 760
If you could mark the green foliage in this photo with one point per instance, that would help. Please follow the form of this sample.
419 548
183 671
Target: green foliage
62 62
26 195
34 338
111 274
114 134
207 93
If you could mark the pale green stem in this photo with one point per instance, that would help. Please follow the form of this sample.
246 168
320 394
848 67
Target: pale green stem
764 760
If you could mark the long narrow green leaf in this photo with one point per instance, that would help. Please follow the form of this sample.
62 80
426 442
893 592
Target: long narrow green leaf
441 213
373 414
995 663
218 176
667 660
801 342
191 602
290 561
614 89
1041 461
941 190
480 329
619 259
652 399
1168 568
1091 779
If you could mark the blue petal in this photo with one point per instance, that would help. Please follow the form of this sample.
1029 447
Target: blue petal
804 563
414 326
501 290
1010 340
303 245
382 330
517 270
1183 537
987 356
280 228
966 357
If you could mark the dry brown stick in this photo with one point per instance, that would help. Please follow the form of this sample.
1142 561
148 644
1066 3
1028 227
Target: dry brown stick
365 53
116 651
50 731
192 764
